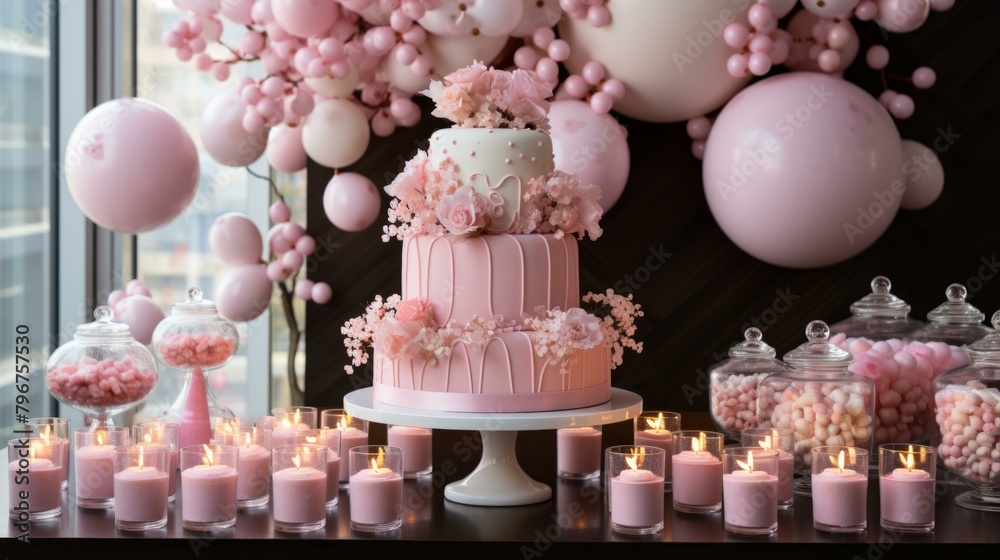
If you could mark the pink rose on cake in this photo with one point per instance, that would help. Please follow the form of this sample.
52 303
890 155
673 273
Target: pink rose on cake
462 212
453 104
417 311
409 184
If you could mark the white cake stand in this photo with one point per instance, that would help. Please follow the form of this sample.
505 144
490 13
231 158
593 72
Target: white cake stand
499 479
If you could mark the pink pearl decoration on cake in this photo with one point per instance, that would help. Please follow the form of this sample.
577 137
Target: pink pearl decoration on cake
100 383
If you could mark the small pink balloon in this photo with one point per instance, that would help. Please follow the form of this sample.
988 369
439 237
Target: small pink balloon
304 18
293 231
276 271
303 289
223 132
276 240
136 287
244 292
592 145
799 56
116 296
321 292
284 149
238 10
131 166
902 16
141 314
351 201
279 212
306 245
292 260
234 238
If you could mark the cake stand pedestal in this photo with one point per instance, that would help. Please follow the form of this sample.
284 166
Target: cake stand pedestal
498 480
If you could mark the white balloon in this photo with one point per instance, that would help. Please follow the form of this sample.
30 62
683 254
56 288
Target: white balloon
537 13
222 131
473 17
923 174
336 133
335 87
452 52
669 53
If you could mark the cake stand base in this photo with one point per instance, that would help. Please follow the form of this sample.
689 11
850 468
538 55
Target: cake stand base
498 480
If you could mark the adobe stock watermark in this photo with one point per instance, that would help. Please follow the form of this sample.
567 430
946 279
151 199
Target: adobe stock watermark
986 271
884 199
711 30
785 127
584 156
653 262
32 25
783 301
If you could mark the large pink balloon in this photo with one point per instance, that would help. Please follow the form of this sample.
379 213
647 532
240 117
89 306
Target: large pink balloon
669 53
223 134
284 149
141 314
592 145
130 165
803 170
244 293
305 18
351 201
924 176
234 238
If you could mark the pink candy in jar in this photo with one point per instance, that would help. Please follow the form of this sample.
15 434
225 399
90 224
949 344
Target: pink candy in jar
198 350
733 383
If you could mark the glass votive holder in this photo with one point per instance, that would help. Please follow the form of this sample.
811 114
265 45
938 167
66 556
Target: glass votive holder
141 486
353 433
253 463
655 428
376 486
225 430
578 452
697 471
906 487
308 415
750 490
34 475
94 464
300 487
781 440
289 422
417 446
49 427
330 438
208 487
635 488
162 433
840 489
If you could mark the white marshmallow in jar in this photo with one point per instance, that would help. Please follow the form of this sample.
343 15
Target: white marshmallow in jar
880 336
819 399
967 408
733 383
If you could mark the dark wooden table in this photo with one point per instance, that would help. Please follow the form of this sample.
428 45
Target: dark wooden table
573 521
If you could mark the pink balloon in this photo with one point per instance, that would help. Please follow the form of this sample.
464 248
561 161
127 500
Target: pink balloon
223 134
592 145
800 27
924 175
244 293
131 166
321 292
238 10
284 149
141 314
803 170
351 201
234 238
136 287
902 16
304 18
116 296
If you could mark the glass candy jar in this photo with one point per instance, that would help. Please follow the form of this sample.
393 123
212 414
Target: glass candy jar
879 315
967 405
819 399
103 371
733 383
195 339
955 322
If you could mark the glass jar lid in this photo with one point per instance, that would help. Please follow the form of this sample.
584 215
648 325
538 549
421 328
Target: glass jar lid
104 327
818 352
195 304
956 311
753 346
881 302
987 347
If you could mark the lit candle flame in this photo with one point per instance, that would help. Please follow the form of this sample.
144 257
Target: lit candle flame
748 466
31 451
285 422
698 444
907 459
840 461
208 458
343 422
765 443
247 438
311 439
297 417
381 457
297 460
140 457
100 438
656 423
632 461
228 428
147 438
46 432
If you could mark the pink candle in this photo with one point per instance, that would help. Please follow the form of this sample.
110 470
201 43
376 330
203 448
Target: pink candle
907 496
254 466
332 477
637 498
42 482
839 497
750 499
208 493
141 495
376 496
350 437
657 438
95 469
697 478
578 450
299 495
416 446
